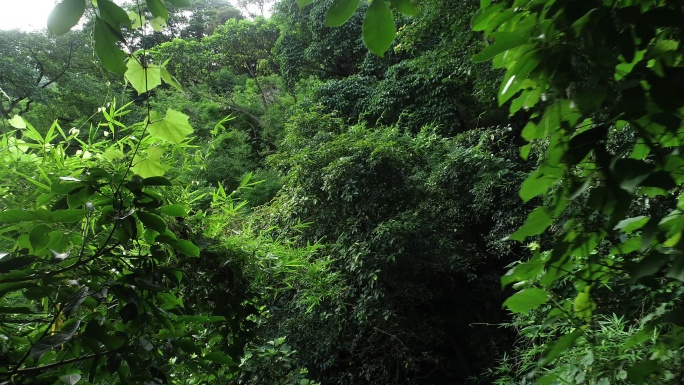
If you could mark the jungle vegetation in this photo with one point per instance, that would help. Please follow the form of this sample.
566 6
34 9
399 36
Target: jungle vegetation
343 192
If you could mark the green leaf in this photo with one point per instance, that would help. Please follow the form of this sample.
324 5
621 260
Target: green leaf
17 216
378 27
405 6
303 3
629 173
220 358
158 23
65 15
156 181
137 20
632 224
105 46
173 128
504 41
113 15
170 79
151 165
526 300
113 154
143 79
158 9
152 221
523 272
557 348
536 223
188 346
186 247
68 216
16 262
39 237
174 210
583 305
639 373
17 122
340 11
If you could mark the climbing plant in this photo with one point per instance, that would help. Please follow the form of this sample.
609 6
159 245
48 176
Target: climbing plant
602 82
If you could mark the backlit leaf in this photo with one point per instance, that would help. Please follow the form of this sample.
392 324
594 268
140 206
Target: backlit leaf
64 16
150 165
536 223
113 15
526 300
340 11
111 56
174 127
503 42
158 9
17 122
378 27
143 79
187 248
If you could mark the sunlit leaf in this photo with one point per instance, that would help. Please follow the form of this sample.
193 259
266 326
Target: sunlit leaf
174 127
17 122
536 223
150 165
187 248
170 79
526 300
143 79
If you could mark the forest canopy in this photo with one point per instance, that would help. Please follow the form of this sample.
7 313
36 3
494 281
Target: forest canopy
343 192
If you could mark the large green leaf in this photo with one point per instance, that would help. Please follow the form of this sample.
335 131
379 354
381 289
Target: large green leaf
170 79
64 16
555 349
16 216
152 221
113 15
526 300
111 56
303 3
39 236
405 6
143 79
504 41
340 11
151 164
187 248
174 127
158 9
538 221
378 27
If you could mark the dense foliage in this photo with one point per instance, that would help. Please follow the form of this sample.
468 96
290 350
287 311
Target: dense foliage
334 193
